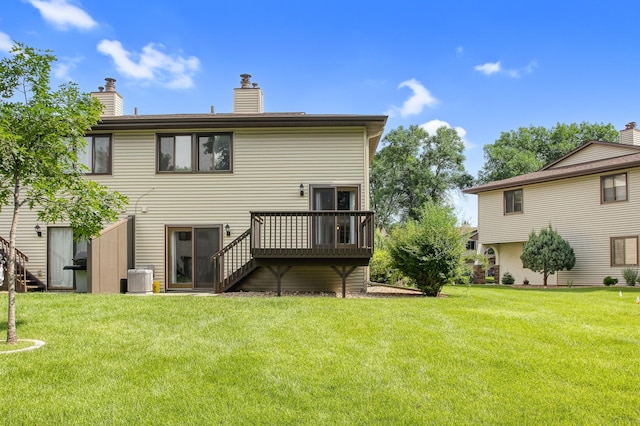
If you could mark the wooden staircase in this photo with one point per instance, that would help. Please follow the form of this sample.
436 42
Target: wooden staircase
25 281
233 263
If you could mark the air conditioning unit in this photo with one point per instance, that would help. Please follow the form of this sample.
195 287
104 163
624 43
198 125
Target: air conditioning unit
139 281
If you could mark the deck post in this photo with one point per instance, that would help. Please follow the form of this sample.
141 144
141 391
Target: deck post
344 274
279 273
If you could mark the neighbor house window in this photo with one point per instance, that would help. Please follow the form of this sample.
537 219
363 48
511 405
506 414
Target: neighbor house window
195 153
614 187
624 251
97 154
513 201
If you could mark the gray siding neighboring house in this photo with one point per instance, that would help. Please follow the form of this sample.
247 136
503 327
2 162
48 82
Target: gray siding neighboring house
591 197
194 179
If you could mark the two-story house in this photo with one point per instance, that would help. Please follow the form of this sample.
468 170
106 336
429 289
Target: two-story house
590 196
217 201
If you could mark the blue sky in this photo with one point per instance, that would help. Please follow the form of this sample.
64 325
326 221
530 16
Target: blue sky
479 67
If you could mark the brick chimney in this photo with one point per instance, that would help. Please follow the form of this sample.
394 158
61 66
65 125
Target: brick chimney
630 135
110 99
248 98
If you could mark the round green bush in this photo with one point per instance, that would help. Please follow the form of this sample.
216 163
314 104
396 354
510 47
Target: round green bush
508 279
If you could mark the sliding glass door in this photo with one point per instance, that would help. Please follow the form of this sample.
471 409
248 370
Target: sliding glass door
334 230
189 252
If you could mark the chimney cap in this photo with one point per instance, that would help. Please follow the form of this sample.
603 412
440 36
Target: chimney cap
630 125
111 86
245 81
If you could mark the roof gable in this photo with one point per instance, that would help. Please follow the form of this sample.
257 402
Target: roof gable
557 173
592 151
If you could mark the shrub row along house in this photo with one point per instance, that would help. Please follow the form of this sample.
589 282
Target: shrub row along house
590 197
218 201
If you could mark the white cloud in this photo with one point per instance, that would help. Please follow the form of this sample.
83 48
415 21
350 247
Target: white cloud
459 50
488 68
64 15
174 72
5 42
433 125
62 69
495 67
415 104
530 67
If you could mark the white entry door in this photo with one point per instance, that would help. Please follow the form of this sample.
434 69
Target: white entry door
60 254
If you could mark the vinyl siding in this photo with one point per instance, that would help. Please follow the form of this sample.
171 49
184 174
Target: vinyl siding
596 152
308 279
268 167
572 206
247 101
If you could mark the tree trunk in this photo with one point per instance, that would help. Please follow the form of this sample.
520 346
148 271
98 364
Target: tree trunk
544 279
12 335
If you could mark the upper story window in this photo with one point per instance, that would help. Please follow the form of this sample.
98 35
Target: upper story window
97 154
513 201
188 153
624 251
614 187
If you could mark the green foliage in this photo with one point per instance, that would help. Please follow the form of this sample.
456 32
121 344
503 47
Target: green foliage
608 280
630 275
381 266
529 148
490 280
429 251
547 253
41 132
415 167
508 279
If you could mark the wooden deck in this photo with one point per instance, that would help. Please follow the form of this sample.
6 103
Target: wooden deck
336 238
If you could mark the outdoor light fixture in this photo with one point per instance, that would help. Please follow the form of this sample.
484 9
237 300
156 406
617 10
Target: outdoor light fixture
227 229
301 190
38 230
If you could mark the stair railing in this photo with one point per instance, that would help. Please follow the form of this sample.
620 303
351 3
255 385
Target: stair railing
21 265
232 262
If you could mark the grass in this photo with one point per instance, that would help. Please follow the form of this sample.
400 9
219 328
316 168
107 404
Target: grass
483 355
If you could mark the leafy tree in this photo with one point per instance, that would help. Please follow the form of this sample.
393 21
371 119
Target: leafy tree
431 250
528 149
415 167
41 132
547 253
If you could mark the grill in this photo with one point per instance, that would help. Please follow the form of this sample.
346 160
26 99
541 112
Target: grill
79 262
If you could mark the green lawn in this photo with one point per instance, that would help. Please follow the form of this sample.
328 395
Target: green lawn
483 355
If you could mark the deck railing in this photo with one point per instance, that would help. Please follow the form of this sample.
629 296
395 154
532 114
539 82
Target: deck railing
323 233
232 262
332 235
21 266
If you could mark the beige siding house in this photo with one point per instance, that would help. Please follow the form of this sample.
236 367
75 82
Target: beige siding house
591 197
246 200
